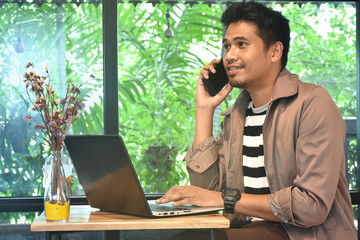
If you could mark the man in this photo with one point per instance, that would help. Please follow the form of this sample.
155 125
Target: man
278 165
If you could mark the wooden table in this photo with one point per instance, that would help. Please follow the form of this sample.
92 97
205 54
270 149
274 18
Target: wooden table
86 218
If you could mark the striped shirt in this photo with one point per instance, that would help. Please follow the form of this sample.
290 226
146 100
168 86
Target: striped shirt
255 181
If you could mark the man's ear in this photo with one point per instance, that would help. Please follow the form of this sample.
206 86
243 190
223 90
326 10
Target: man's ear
277 51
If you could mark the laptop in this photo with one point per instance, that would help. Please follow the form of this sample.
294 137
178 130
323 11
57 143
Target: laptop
110 182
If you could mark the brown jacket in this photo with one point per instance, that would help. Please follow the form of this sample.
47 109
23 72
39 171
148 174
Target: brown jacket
304 136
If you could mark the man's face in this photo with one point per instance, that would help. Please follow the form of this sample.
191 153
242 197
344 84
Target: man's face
246 60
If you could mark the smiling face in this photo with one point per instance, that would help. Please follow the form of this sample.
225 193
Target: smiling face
248 63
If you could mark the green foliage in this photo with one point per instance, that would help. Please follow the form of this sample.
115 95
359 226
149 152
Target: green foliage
351 165
20 166
156 86
18 217
23 149
322 49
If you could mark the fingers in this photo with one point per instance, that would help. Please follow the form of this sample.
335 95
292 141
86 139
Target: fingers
225 92
221 96
209 68
168 196
204 73
177 194
184 202
183 195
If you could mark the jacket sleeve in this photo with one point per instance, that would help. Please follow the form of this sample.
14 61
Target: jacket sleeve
205 164
319 156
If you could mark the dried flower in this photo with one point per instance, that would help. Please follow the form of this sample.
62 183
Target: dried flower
29 64
27 118
56 118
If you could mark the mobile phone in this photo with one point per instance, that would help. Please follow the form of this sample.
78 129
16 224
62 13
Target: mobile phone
217 81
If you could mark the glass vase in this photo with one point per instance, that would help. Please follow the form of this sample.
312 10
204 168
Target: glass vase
57 194
66 163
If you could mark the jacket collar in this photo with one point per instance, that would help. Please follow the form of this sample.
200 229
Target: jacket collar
286 85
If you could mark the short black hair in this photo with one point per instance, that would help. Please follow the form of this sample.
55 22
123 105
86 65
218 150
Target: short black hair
272 25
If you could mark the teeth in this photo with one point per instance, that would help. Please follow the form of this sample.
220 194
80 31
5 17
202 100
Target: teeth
233 68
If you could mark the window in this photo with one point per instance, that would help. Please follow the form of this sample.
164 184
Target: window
66 38
156 77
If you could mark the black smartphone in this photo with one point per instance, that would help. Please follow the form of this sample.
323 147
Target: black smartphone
216 81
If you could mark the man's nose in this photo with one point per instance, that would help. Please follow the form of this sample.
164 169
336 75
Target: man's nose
231 55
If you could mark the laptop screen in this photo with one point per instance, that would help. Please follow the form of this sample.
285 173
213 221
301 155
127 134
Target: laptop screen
106 173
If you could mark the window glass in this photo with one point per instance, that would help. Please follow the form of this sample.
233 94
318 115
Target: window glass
157 84
323 49
66 39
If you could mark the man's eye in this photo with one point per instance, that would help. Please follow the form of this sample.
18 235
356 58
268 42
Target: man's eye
242 44
226 47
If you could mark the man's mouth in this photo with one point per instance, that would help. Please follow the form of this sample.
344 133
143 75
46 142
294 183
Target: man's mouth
235 68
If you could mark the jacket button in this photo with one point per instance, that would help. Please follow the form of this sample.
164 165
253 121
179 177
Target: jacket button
197 166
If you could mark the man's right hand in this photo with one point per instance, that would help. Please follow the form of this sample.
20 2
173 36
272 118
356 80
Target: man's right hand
203 100
206 105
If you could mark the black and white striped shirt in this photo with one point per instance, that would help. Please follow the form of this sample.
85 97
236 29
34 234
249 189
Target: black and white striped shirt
255 180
